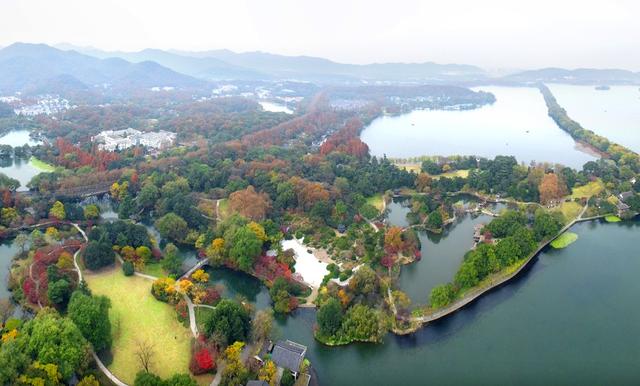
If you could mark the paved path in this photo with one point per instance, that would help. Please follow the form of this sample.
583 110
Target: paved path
101 365
106 371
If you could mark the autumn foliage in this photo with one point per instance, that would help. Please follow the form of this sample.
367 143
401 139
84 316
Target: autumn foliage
71 156
551 188
347 140
250 203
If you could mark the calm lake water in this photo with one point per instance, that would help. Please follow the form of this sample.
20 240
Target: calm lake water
516 124
613 113
572 318
442 254
7 251
559 324
20 169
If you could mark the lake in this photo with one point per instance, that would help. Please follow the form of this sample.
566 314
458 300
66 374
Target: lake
571 318
441 254
613 113
22 170
7 252
516 124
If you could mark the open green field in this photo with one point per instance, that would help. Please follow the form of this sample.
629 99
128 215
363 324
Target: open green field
202 314
453 174
591 189
223 209
570 210
154 269
413 167
137 316
564 240
376 201
41 165
612 219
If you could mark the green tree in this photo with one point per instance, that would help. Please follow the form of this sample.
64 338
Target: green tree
287 378
148 196
89 380
441 295
98 255
52 339
246 246
91 212
229 321
144 378
128 268
143 252
434 221
57 211
180 380
171 261
330 317
172 226
91 315
58 291
362 323
545 225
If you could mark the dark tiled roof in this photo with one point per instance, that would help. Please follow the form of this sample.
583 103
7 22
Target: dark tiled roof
622 206
288 354
625 195
257 383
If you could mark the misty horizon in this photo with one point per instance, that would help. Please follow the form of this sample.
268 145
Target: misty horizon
493 35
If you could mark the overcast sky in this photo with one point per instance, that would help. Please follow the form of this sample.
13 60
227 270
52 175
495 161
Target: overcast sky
489 33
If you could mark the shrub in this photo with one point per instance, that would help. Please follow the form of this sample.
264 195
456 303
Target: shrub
127 268
98 255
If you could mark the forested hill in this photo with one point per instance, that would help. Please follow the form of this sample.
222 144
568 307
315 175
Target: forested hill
225 64
38 68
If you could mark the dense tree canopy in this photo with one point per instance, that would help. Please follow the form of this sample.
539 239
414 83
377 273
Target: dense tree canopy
229 321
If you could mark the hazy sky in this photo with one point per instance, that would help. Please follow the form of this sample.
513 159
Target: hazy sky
489 33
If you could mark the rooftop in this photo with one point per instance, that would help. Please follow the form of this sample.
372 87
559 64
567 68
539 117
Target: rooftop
257 383
288 354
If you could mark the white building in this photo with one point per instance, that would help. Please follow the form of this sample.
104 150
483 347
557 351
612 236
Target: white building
112 140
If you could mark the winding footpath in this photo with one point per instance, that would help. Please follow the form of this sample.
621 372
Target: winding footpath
101 365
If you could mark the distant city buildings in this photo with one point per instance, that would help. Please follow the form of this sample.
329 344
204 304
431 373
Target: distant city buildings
46 104
112 140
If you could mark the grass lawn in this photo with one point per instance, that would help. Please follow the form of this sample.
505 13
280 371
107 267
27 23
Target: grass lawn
201 315
154 269
136 315
570 210
593 188
412 167
41 165
376 202
612 219
564 240
453 174
223 209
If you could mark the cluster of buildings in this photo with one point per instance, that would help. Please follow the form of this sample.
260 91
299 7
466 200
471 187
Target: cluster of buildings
45 104
112 140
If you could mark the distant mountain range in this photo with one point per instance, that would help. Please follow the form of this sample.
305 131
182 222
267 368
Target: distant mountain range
225 65
38 68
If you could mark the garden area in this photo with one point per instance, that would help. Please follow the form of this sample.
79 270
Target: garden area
137 319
